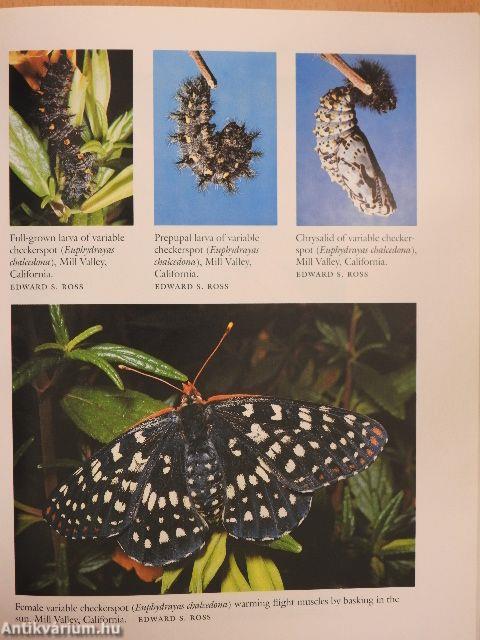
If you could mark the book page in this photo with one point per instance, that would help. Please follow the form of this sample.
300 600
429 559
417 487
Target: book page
241 312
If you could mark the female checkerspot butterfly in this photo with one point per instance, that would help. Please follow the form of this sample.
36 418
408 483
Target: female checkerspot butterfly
215 157
77 169
245 463
344 150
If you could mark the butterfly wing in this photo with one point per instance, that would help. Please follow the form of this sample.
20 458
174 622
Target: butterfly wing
257 506
166 527
304 445
99 500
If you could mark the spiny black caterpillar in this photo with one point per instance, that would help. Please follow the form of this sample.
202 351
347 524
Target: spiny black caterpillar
215 157
64 139
344 150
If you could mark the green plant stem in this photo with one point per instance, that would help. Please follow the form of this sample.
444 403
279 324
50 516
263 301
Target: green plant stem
351 354
50 480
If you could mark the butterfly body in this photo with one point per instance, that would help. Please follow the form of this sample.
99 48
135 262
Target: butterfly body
247 464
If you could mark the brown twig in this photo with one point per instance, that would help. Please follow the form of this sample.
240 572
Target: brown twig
352 334
339 63
204 69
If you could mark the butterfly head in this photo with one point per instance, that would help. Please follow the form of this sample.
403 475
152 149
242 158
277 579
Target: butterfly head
190 394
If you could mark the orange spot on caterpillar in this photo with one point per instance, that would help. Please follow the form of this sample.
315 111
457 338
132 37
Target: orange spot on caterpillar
377 431
51 127
66 142
374 441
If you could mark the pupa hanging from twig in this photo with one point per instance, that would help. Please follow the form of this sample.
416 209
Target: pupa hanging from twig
343 148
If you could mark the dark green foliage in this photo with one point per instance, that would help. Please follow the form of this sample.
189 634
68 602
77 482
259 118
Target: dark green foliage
359 533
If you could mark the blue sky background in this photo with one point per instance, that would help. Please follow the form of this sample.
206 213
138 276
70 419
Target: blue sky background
392 137
246 92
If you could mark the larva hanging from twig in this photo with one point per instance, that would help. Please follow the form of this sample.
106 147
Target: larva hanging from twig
343 148
215 157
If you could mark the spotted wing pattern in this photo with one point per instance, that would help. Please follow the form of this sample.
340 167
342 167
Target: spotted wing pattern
257 506
166 526
303 445
101 497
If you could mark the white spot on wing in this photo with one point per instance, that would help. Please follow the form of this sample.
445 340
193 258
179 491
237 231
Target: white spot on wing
116 452
248 410
257 434
277 412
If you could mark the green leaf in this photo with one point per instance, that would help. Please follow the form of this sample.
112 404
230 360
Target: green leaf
22 449
263 574
118 188
86 582
92 146
102 119
138 360
379 388
397 547
97 70
32 368
346 520
404 381
93 561
45 580
336 336
372 489
77 96
81 337
387 517
59 324
286 543
104 414
89 357
168 578
25 520
28 157
234 580
60 463
208 563
381 320
47 346
121 128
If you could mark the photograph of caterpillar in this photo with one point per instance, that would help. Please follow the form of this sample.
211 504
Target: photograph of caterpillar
215 137
70 129
359 151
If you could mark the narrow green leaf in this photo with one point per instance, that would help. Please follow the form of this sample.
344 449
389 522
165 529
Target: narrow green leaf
47 346
334 335
380 388
89 357
93 561
101 81
25 520
77 96
28 157
32 368
372 489
387 517
400 546
86 582
118 188
84 335
102 119
208 563
263 574
234 580
121 128
381 320
346 524
60 463
138 360
92 146
22 449
105 413
286 543
44 581
168 578
59 324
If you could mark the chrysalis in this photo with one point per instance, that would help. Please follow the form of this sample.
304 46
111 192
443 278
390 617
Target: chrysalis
215 157
343 148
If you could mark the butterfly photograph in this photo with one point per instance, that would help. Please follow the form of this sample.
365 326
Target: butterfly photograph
356 139
213 448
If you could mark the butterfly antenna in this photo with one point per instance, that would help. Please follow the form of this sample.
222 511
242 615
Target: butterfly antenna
147 375
227 331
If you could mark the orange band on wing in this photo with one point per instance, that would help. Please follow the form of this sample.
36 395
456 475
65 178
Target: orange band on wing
232 395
